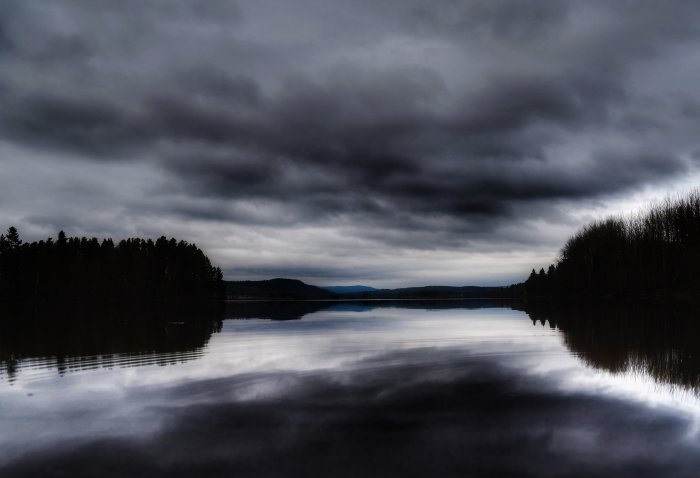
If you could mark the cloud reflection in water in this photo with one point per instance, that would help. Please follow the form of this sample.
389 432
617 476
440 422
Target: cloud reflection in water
387 392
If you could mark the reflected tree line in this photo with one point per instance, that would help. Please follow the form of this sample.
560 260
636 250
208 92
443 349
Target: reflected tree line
83 335
653 339
72 268
656 252
630 336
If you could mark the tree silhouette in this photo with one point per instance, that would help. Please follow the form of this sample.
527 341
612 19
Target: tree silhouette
652 253
13 239
85 269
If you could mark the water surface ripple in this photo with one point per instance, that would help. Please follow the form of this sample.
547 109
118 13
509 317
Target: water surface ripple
358 390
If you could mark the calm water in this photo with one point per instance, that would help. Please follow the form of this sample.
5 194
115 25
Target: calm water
439 389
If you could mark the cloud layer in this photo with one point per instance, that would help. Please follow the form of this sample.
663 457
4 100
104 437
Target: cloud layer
380 129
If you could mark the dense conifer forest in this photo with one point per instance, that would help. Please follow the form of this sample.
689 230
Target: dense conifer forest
652 253
72 268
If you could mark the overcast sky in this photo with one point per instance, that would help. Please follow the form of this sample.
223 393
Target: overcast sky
384 142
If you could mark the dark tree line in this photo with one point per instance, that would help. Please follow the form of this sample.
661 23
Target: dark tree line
72 268
656 252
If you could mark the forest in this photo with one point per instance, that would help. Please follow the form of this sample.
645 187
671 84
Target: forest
72 268
654 253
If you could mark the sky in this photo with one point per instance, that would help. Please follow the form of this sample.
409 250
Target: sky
384 142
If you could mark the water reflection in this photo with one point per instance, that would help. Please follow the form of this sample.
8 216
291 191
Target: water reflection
83 336
461 416
295 310
657 340
643 338
355 389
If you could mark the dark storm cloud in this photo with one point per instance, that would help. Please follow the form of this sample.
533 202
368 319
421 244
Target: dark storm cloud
500 19
391 116
413 413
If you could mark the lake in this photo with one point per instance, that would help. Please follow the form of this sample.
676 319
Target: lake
355 389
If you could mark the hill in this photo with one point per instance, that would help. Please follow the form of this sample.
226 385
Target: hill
427 292
349 289
293 289
275 289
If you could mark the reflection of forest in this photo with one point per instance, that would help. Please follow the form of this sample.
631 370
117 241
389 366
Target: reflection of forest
661 341
655 339
79 336
273 310
293 310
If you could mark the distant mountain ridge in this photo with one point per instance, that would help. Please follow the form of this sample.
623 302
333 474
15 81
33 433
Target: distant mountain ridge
275 289
428 292
348 289
293 289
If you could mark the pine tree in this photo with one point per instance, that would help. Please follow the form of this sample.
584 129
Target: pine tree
12 238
